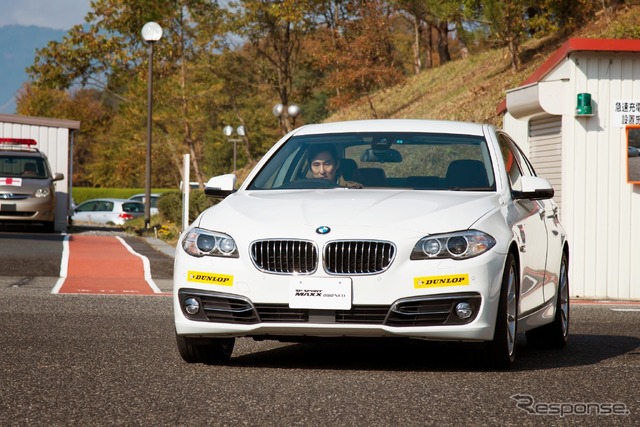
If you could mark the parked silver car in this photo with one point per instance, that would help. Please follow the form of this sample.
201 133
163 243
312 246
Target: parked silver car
27 186
154 201
107 211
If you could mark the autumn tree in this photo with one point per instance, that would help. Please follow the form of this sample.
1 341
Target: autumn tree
508 24
417 13
84 105
549 16
364 58
274 30
109 54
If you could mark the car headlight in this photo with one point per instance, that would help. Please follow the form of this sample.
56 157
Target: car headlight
458 245
43 192
199 243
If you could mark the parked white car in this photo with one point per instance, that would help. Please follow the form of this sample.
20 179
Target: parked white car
107 212
385 228
633 151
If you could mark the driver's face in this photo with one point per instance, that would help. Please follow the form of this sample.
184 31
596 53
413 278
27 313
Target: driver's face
324 166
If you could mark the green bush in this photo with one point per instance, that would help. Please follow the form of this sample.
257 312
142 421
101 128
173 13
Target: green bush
170 205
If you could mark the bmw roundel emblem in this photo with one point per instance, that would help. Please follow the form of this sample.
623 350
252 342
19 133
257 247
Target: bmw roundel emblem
323 229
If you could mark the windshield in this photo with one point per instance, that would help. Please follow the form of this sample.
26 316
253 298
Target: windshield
422 161
23 166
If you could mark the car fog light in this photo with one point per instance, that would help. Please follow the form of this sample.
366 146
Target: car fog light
191 305
464 310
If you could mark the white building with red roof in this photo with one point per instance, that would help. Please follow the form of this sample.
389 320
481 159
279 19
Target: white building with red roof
572 116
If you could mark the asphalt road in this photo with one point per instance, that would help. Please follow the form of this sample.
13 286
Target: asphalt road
33 259
112 360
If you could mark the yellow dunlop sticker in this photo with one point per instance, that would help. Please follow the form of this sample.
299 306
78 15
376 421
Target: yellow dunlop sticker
209 278
440 281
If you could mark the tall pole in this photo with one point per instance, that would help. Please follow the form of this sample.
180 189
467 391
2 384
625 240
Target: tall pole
235 142
147 189
151 33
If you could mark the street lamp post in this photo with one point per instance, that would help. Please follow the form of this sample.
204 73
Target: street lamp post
151 33
228 131
283 113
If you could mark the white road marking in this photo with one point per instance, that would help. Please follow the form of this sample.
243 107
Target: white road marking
145 263
64 265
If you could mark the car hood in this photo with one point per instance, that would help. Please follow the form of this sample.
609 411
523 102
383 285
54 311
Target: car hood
283 213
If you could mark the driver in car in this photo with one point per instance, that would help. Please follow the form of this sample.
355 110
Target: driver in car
325 164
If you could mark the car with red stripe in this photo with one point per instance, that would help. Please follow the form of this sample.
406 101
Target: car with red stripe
27 186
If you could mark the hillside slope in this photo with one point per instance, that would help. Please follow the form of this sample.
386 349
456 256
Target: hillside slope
470 89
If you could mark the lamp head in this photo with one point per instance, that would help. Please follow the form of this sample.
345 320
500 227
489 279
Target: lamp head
151 32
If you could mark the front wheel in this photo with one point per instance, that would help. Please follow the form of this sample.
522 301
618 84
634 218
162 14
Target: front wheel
500 353
555 334
211 351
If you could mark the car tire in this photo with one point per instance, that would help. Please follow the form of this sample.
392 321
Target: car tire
211 351
555 334
500 353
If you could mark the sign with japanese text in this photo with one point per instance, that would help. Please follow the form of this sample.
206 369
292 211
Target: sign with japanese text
625 112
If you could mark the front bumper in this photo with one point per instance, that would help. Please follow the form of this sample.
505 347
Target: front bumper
240 301
418 317
32 209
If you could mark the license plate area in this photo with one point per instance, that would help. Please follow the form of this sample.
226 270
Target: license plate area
320 293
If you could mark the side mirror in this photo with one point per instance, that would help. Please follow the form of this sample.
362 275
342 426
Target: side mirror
58 177
221 186
534 188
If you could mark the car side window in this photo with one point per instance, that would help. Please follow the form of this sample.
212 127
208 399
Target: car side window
104 207
526 164
87 207
133 207
512 160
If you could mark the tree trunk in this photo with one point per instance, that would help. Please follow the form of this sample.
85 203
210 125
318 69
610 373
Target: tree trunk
417 34
429 43
514 51
443 42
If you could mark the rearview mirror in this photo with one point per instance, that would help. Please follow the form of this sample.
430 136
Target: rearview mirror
381 156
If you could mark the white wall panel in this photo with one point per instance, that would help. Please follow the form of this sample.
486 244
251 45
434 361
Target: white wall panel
604 214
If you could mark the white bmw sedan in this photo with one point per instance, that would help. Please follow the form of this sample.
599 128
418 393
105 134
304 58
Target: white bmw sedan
382 228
